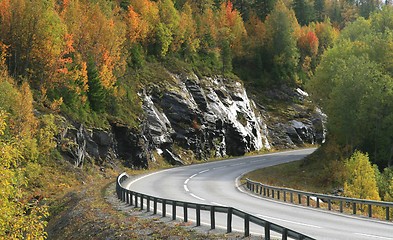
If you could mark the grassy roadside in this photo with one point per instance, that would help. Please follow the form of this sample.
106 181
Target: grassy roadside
291 175
315 173
94 212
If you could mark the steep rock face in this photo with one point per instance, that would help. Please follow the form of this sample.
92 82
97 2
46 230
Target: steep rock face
299 124
79 144
210 116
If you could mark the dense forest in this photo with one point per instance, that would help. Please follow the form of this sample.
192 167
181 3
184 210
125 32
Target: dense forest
86 59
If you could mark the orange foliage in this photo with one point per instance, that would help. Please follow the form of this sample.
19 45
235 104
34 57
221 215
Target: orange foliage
258 30
308 42
137 27
231 13
64 59
5 12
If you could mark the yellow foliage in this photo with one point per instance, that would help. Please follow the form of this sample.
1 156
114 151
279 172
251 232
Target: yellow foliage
360 181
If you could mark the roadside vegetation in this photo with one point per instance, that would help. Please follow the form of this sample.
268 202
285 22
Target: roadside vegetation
89 60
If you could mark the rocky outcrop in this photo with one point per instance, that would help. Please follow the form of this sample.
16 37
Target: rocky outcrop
299 125
210 116
79 144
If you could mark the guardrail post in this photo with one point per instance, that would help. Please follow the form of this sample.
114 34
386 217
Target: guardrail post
155 205
264 191
131 196
278 194
329 204
123 195
268 192
273 193
291 196
229 220
163 207
308 200
127 197
198 215
354 208
260 189
141 197
173 210
247 225
285 196
317 202
185 211
148 203
284 234
136 200
267 230
370 211
387 214
212 217
299 198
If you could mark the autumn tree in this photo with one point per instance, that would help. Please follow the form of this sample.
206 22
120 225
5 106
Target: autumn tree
360 181
308 47
22 217
186 38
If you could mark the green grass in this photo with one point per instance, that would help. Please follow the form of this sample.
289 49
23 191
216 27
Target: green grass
290 175
314 174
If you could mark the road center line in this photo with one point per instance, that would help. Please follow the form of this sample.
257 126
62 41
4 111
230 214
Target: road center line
204 171
373 236
216 168
195 196
237 164
283 220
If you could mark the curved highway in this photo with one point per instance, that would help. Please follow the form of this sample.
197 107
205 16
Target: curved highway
215 183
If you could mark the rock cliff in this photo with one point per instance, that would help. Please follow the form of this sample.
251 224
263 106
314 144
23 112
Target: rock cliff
209 116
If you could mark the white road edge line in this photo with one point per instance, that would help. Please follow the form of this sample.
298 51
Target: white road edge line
195 196
204 171
186 188
218 204
283 220
373 236
193 176
185 182
145 176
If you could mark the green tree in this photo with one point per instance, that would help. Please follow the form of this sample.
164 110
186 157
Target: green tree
360 181
97 94
304 11
354 86
320 11
281 29
263 7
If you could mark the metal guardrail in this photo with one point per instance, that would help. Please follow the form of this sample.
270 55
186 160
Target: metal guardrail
138 199
282 194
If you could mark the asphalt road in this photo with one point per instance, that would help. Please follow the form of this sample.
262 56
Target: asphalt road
215 183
